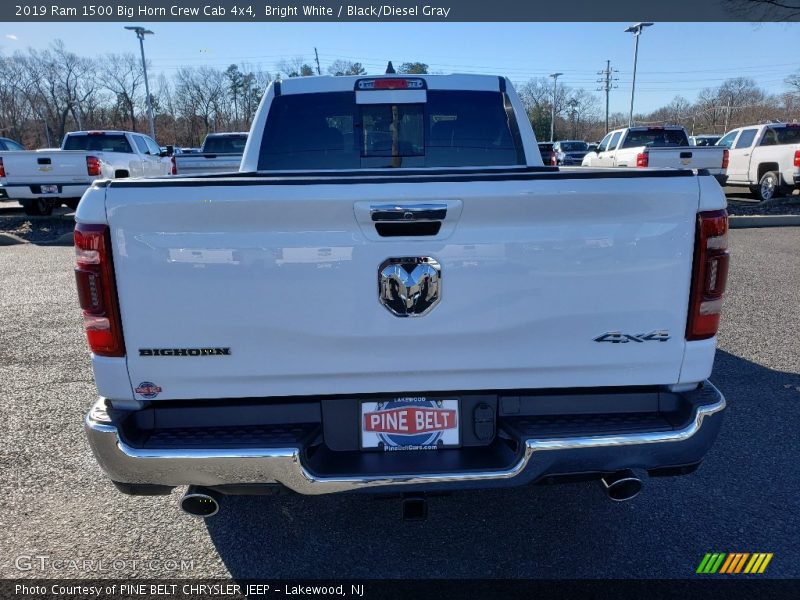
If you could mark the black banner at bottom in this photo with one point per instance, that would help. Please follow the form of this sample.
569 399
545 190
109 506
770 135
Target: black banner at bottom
416 589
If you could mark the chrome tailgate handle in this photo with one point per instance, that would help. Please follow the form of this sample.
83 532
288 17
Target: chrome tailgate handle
408 213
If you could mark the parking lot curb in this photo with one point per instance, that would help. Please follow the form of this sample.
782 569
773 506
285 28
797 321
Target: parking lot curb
754 221
9 239
65 239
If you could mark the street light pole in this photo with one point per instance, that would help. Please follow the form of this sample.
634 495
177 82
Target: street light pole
555 77
636 30
140 33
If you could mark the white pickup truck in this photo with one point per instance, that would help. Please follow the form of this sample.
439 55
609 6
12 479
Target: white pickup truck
395 295
42 179
660 147
765 158
221 153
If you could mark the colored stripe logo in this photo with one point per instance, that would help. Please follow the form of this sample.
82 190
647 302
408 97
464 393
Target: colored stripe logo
732 563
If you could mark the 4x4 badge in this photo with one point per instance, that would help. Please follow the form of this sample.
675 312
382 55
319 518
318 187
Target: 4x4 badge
616 337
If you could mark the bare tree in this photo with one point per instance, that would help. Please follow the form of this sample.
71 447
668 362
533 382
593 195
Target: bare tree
341 67
199 95
764 10
295 67
123 77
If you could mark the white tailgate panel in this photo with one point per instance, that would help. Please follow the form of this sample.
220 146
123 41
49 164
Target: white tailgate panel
285 277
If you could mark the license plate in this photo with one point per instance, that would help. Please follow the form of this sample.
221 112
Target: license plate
49 189
410 424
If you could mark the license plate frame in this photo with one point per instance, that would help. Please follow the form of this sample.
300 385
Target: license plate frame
409 424
49 189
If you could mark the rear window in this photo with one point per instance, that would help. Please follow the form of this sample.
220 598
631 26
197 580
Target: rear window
655 138
227 144
11 145
331 131
705 141
775 136
100 142
573 146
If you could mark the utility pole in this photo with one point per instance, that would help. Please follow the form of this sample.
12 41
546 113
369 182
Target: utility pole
607 84
636 30
728 112
316 55
555 77
140 33
47 132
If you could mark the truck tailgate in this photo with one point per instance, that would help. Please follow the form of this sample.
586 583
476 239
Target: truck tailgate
687 157
195 164
45 167
282 281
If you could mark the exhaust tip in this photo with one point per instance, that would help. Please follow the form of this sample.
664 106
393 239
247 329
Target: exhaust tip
622 486
200 502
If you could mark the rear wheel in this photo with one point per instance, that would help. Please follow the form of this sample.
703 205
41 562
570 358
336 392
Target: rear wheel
768 187
38 207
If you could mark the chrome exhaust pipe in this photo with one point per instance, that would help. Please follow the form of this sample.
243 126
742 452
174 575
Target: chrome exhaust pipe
200 502
622 485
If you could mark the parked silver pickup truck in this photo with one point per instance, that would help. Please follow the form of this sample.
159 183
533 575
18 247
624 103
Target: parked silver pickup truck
221 153
395 295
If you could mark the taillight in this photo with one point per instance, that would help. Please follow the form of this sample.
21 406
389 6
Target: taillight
394 83
93 166
173 165
3 169
642 159
709 275
796 160
97 293
726 156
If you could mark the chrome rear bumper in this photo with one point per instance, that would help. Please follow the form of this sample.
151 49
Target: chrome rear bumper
232 466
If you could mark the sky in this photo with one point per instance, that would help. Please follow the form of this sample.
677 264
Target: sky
674 58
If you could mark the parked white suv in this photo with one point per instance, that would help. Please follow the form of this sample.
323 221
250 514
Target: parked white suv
765 158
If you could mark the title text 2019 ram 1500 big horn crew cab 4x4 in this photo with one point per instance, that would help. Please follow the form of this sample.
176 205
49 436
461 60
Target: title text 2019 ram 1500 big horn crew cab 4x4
43 179
662 147
393 294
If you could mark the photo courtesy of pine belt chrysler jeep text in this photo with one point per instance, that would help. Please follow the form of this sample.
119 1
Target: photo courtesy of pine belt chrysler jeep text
393 294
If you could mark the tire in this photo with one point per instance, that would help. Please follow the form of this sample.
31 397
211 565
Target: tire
40 207
72 204
769 187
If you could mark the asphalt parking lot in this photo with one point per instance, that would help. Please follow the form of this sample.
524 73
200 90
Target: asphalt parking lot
57 503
